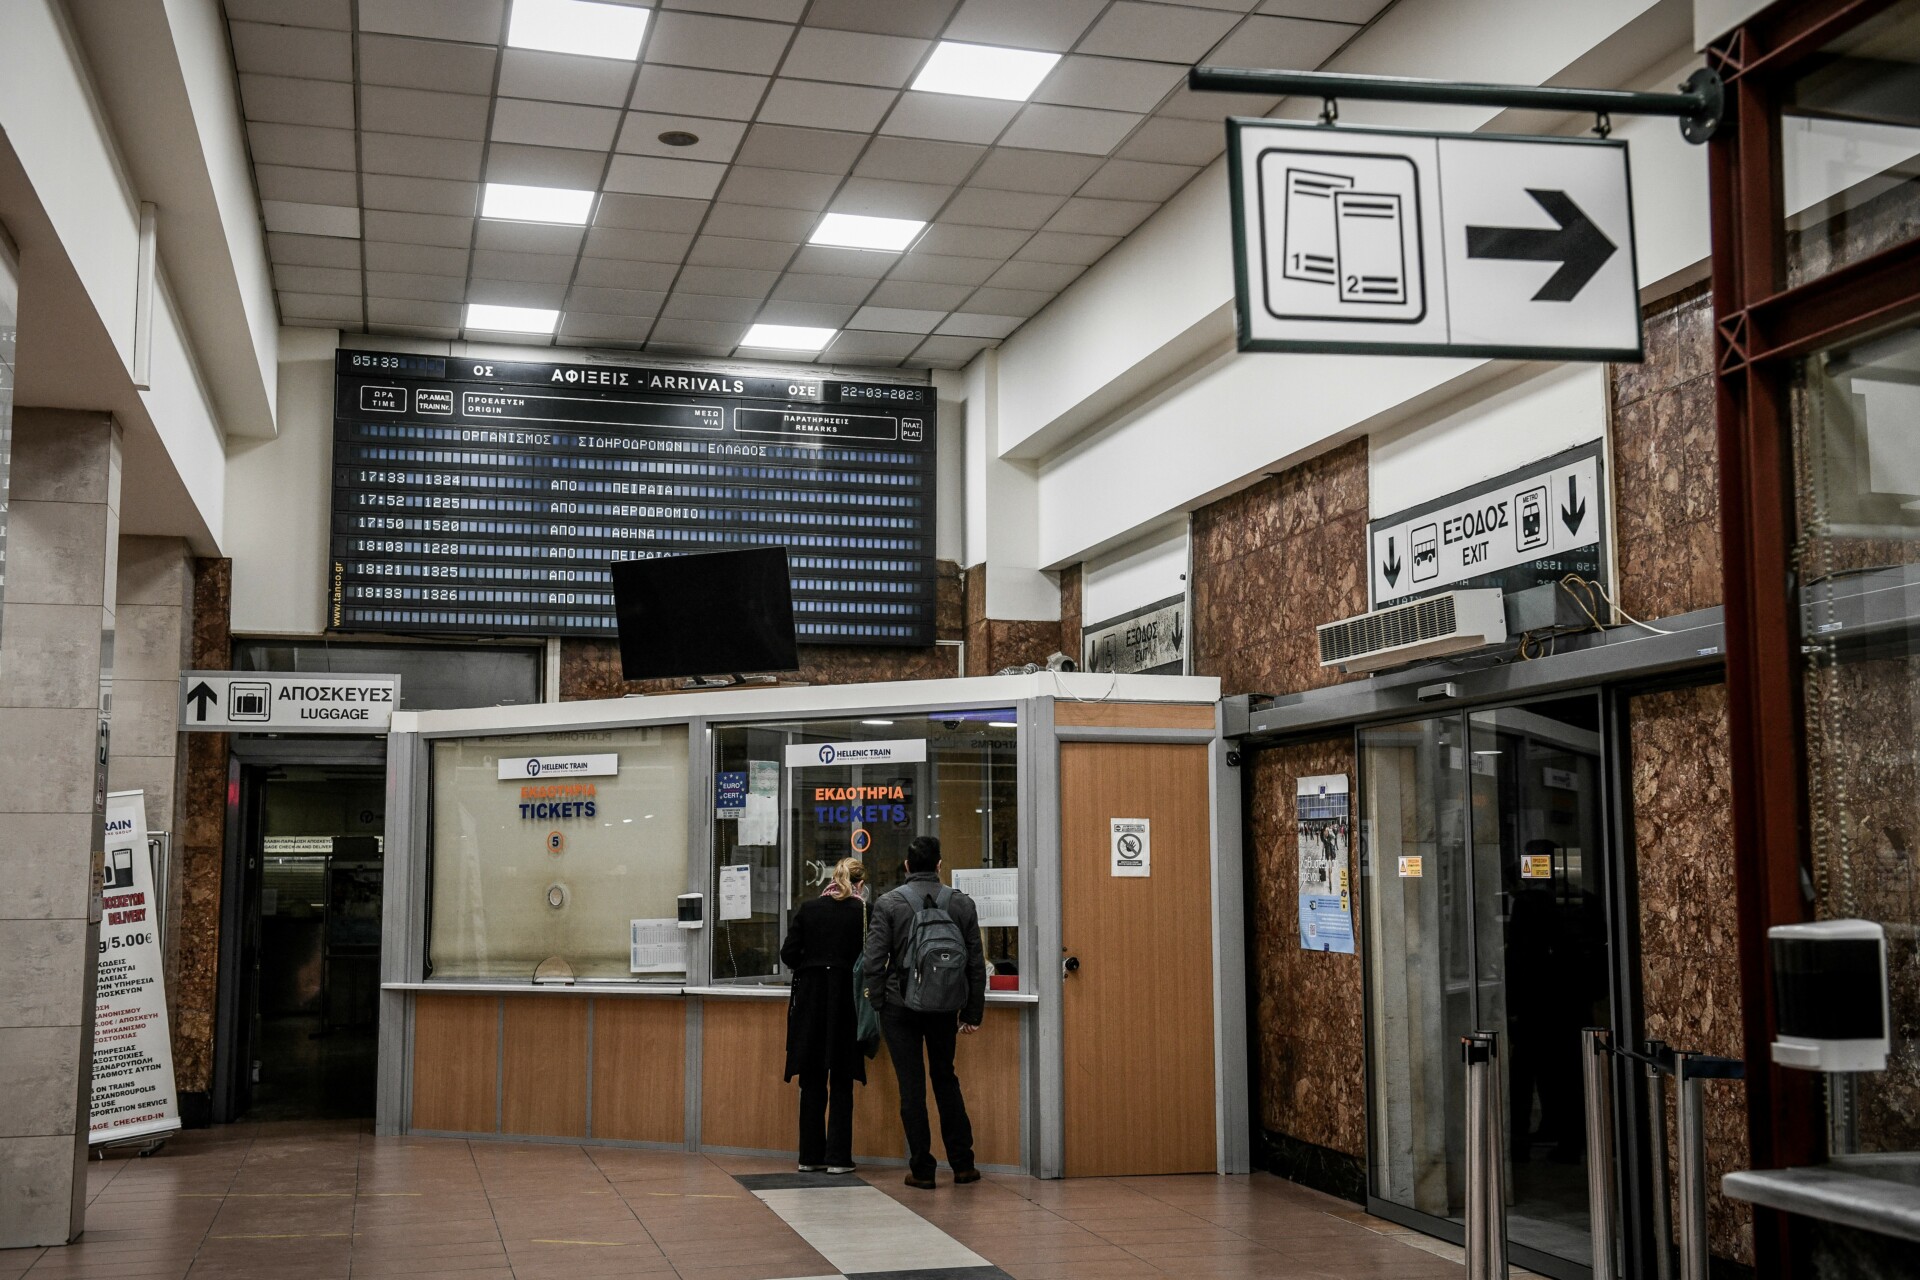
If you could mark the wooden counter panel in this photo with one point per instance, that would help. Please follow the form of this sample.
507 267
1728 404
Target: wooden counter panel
456 1058
742 1100
1134 715
989 1068
544 1064
639 1070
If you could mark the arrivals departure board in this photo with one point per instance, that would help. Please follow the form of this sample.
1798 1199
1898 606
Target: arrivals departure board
482 497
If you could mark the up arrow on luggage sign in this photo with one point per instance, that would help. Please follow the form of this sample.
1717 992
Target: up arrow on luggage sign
200 695
1578 246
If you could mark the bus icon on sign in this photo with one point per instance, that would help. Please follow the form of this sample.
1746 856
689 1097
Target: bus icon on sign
1426 552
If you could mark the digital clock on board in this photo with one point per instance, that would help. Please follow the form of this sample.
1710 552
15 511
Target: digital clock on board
394 362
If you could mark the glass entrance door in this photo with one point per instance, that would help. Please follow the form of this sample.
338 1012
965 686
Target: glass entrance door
1484 909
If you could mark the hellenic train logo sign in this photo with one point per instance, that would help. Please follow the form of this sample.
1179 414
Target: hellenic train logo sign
812 755
826 753
595 766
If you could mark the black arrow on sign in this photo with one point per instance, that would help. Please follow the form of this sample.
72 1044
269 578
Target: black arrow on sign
200 695
1578 246
1576 509
1392 567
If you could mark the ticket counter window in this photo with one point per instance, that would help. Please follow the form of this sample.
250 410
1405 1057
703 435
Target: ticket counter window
561 854
793 798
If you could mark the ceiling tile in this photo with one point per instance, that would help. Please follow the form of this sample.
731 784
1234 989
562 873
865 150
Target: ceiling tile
1051 276
1194 142
545 166
868 346
436 260
401 311
404 284
949 353
773 146
1331 10
823 315
536 268
437 115
1185 104
1023 24
811 105
922 18
725 95
916 160
1009 302
757 255
649 213
855 264
614 273
1137 180
565 77
718 44
477 21
967 324
1010 169
436 333
616 302
578 326
420 195
706 350
653 176
719 139
778 187
317 279
769 10
313 251
335 15
1101 217
697 306
798 286
1281 42
285 100
299 144
896 319
306 186
1082 129
1157 32
852 57
703 332
1058 246
440 65
1116 84
419 228
935 268
1228 6
982 208
292 51
321 306
527 237
918 295
554 124
947 118
759 222
405 154
726 282
310 219
958 241
876 197
632 245
515 293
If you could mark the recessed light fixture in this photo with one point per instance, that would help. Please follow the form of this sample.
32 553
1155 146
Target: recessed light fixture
984 71
787 337
876 722
515 203
1003 724
497 319
861 231
679 138
578 26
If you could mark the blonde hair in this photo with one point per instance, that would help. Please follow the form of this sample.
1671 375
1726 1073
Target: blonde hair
847 874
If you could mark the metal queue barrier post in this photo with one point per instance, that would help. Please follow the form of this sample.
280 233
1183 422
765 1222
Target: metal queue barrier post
1598 1072
1690 1137
1486 1213
1661 1188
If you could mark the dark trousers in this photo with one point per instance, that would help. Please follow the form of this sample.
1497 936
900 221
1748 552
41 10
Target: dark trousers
826 1116
908 1034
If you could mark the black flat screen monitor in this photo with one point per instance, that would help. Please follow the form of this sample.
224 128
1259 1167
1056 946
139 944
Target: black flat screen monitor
717 613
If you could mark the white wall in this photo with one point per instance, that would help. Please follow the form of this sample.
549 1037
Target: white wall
1144 571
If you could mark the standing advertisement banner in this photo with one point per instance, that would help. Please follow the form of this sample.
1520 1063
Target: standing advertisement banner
133 1087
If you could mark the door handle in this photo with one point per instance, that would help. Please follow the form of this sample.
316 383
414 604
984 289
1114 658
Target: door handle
1069 966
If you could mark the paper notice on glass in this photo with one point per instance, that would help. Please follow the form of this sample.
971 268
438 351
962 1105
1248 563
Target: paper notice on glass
657 946
995 892
766 890
736 892
760 819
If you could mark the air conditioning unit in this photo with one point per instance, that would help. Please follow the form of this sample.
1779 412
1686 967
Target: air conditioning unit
1431 627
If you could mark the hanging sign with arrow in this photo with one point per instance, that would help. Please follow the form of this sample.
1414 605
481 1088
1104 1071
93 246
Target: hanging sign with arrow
1530 526
286 702
1367 240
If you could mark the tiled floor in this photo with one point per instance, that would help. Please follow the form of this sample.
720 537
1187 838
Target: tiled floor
328 1201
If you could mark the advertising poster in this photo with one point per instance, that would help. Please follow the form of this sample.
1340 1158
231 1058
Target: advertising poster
133 1091
1326 840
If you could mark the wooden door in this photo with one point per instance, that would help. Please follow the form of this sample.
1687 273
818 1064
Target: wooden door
1139 1009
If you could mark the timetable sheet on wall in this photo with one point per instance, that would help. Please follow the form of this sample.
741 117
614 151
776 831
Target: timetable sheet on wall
482 497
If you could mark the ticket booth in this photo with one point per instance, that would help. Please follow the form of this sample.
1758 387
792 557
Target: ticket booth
539 979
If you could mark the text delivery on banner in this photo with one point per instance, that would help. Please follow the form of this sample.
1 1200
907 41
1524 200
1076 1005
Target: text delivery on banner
133 1089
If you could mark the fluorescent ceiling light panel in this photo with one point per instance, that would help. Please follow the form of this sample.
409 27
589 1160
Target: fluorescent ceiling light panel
984 71
536 204
578 26
787 337
861 231
496 319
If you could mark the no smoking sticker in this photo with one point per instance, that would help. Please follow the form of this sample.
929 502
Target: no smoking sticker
1132 846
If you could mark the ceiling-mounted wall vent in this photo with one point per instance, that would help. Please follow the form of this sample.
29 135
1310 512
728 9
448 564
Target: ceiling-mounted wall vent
1452 622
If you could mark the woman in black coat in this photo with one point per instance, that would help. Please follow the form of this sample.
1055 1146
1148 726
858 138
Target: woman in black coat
822 943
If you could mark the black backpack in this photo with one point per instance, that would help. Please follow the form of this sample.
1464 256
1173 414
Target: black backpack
936 977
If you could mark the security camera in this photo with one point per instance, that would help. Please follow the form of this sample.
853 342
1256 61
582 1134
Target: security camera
950 724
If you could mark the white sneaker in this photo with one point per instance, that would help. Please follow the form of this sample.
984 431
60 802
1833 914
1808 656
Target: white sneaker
814 1168
839 1168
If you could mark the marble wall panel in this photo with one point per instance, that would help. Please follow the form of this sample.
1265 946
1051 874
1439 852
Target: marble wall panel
1072 612
199 852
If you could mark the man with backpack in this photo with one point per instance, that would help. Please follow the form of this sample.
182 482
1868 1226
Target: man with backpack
927 975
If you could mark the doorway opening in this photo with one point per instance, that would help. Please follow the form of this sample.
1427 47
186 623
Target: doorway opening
1485 908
